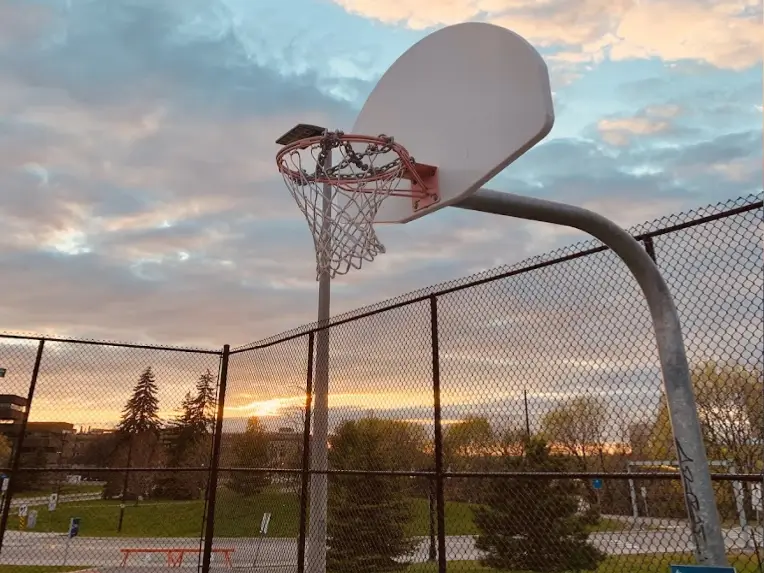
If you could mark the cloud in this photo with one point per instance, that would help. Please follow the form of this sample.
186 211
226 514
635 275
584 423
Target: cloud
141 202
725 34
655 119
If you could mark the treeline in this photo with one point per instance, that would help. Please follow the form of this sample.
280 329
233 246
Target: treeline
588 437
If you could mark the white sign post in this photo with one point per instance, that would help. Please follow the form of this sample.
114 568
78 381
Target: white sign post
264 523
53 502
23 510
32 519
643 491
756 500
6 481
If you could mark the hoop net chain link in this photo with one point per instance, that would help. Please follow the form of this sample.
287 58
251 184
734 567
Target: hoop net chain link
341 219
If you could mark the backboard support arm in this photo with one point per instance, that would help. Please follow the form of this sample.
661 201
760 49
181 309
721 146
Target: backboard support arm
688 439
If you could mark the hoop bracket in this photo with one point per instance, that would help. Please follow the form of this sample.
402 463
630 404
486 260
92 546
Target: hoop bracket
424 188
364 171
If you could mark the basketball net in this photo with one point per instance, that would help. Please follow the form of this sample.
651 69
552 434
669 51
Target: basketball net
340 190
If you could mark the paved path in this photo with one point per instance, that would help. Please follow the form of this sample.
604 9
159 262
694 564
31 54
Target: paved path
27 548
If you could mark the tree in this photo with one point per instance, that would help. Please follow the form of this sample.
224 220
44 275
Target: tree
730 405
578 427
532 524
6 448
137 442
250 450
190 443
369 516
468 444
141 413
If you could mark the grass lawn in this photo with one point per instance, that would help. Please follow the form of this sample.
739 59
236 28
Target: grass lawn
645 563
66 489
35 569
459 519
237 516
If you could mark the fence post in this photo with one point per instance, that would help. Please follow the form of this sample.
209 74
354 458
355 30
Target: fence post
650 248
439 496
209 534
305 471
16 461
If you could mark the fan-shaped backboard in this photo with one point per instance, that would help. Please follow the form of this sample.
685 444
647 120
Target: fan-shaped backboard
470 99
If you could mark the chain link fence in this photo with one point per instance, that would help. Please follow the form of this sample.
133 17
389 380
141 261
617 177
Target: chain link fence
510 421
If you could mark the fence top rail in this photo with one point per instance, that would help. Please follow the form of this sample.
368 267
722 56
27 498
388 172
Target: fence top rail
662 226
85 341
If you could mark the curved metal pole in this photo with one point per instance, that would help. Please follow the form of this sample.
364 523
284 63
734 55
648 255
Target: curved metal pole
688 438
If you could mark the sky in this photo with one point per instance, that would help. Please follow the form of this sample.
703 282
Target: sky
139 197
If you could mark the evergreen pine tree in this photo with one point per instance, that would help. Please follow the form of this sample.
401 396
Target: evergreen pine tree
138 437
250 450
141 413
369 516
190 442
204 403
533 524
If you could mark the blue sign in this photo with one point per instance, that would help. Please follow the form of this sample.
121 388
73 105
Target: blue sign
597 484
700 569
74 527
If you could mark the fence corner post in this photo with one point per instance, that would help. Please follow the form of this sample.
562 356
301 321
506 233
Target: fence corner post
209 533
305 470
438 423
16 460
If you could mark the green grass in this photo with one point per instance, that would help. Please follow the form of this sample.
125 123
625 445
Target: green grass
644 563
35 569
459 518
66 489
236 516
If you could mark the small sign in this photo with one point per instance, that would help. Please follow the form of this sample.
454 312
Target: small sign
597 483
74 527
23 510
2 372
32 519
701 569
6 481
53 502
643 491
264 524
756 500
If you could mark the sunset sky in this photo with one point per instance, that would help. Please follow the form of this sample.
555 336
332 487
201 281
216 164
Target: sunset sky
139 198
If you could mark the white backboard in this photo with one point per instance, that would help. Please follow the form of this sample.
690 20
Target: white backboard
469 99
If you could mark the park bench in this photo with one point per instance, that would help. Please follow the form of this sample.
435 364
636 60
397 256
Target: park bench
174 555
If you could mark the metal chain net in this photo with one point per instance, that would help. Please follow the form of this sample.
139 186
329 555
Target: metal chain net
341 212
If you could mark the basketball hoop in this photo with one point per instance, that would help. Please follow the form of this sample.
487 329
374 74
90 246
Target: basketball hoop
340 199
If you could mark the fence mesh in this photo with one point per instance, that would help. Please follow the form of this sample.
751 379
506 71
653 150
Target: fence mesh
513 421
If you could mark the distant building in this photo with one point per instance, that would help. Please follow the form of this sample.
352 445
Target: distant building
284 447
12 410
46 444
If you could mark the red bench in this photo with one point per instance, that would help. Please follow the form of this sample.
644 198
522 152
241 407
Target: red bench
174 555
